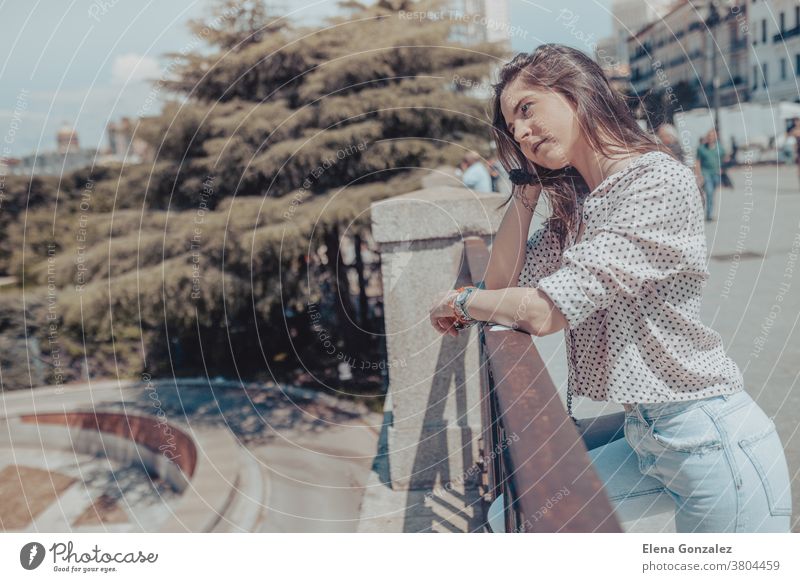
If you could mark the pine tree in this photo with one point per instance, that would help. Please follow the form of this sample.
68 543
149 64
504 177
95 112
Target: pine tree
298 130
266 116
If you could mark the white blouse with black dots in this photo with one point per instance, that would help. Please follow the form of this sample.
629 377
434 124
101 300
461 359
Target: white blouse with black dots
631 289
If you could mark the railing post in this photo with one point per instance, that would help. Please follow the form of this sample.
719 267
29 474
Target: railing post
434 381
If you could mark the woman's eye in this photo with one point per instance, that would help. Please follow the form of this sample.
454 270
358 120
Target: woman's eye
524 108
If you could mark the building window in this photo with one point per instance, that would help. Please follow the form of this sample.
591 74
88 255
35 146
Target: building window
764 75
764 30
783 69
755 75
797 64
783 22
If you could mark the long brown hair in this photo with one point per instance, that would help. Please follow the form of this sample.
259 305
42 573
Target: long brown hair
603 116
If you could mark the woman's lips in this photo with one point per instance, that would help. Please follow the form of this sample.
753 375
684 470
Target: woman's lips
538 145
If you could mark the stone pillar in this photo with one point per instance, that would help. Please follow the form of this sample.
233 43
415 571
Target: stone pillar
434 381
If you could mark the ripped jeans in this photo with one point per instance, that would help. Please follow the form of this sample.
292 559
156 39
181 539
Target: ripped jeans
716 464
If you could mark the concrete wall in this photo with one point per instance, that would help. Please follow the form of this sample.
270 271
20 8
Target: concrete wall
433 401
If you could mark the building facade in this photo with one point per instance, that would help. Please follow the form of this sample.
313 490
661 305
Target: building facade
479 21
677 53
775 40
630 16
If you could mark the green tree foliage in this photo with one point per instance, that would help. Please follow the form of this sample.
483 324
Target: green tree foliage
205 259
263 116
235 24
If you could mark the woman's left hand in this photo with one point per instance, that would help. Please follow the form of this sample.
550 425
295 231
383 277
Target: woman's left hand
441 314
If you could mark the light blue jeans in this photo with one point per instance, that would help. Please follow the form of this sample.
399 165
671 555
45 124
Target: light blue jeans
716 464
711 181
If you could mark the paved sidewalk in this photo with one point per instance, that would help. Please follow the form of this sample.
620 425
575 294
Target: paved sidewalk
311 455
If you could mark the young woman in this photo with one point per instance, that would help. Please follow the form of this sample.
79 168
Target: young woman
620 265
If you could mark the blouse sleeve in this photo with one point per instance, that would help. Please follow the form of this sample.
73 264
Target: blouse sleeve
648 235
542 257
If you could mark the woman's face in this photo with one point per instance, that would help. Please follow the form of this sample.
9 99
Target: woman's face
543 123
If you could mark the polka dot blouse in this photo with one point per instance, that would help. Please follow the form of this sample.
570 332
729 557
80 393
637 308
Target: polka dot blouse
631 289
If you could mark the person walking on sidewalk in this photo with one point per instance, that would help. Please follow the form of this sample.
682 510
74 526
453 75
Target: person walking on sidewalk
710 156
794 132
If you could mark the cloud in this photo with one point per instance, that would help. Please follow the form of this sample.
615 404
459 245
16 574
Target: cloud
132 67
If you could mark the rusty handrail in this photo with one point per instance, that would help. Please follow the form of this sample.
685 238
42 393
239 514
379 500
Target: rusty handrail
537 458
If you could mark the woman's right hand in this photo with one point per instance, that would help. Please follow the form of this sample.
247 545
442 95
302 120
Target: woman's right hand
441 313
445 325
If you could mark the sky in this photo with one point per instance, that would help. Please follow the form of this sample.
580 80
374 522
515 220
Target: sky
89 62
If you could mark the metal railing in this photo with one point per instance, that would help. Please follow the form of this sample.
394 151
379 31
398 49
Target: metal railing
531 452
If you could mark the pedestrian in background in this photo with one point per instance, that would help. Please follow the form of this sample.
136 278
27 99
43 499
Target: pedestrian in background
794 132
501 182
710 156
475 175
668 135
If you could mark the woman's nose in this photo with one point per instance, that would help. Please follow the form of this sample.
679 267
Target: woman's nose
521 132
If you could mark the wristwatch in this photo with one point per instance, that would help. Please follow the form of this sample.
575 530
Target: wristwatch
463 318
